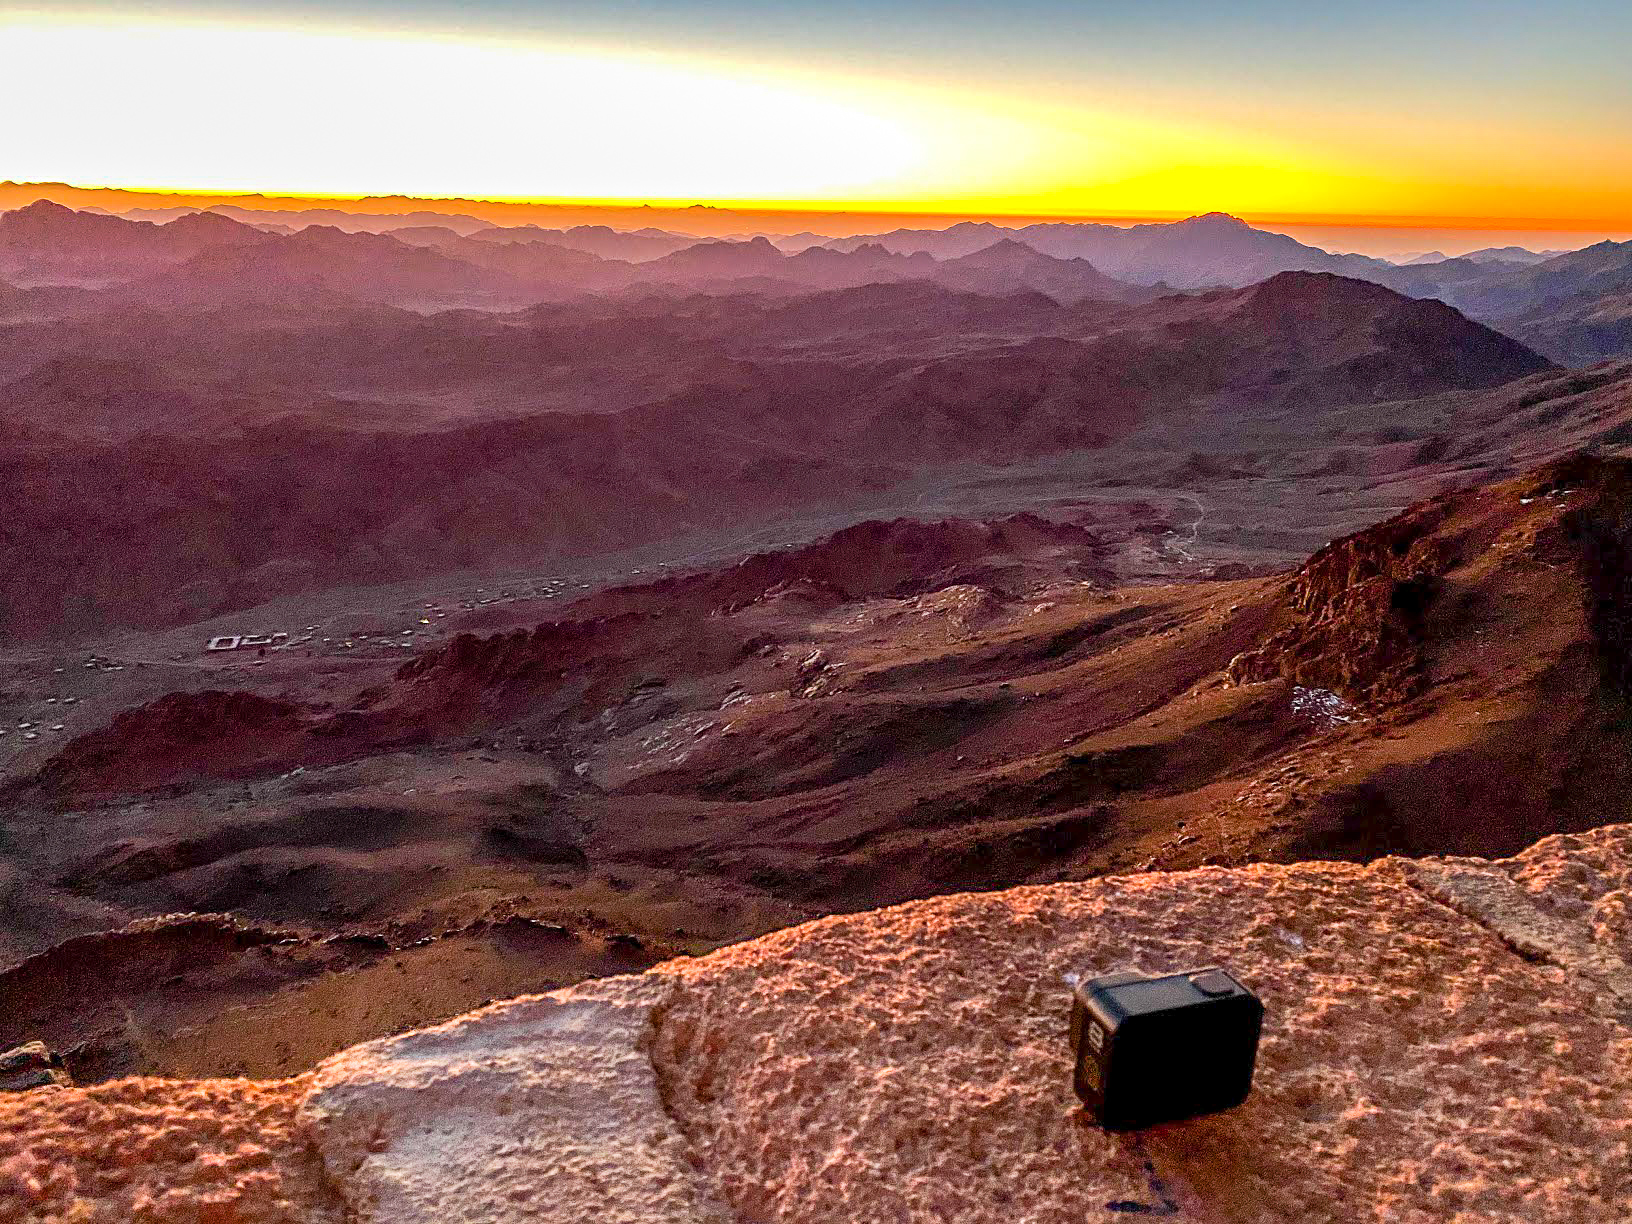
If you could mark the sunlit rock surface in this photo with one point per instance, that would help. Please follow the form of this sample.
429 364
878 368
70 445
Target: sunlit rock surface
1446 1040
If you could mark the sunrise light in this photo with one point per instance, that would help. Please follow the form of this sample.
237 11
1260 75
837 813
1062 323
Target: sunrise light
240 101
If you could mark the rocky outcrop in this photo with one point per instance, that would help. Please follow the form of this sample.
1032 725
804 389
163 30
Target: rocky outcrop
1595 537
1360 617
179 736
1447 1040
911 1063
32 1065
1356 612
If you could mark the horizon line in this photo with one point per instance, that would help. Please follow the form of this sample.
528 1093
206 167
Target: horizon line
946 211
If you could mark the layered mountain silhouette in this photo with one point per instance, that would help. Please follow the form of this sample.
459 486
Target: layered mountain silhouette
206 258
1570 306
45 243
1209 250
1502 254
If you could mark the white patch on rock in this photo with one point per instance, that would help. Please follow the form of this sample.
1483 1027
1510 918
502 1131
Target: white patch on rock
1322 707
540 1108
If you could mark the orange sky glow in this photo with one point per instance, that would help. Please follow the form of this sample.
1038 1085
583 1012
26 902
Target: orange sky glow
203 107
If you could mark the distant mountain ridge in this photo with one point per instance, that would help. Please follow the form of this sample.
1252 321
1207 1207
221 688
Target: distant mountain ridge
200 258
1502 254
1571 306
46 243
1210 250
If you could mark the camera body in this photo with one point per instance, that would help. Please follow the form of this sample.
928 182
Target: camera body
1155 1049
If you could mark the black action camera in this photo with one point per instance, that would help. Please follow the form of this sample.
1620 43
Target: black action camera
1154 1049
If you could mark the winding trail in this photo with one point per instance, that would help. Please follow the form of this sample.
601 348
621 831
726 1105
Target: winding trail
1183 549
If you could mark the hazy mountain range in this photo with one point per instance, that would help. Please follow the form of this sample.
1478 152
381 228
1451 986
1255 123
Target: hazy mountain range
1571 306
261 392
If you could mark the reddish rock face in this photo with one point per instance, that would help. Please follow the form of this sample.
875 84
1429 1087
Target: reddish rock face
1360 616
1356 610
178 737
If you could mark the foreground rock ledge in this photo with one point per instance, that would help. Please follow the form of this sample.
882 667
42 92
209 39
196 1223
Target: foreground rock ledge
1447 1040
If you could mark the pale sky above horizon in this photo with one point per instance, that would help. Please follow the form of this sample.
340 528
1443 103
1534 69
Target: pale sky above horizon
1508 113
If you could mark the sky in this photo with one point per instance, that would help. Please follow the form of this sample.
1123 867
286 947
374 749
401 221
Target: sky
1503 115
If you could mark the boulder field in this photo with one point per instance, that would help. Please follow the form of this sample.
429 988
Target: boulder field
1446 1040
